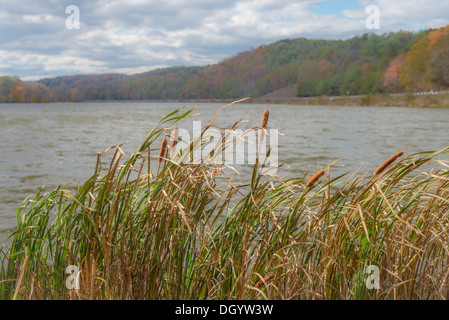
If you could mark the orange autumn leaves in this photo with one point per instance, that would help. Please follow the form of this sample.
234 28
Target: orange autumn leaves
426 66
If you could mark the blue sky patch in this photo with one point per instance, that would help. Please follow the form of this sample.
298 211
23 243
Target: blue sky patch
335 7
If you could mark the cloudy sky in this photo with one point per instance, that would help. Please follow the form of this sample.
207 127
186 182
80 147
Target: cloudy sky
37 38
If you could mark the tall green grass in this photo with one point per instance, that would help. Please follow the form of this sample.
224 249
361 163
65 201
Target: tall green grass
189 231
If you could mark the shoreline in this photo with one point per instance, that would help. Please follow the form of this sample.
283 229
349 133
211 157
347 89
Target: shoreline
410 100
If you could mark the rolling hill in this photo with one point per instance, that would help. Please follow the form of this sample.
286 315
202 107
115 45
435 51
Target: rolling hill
366 64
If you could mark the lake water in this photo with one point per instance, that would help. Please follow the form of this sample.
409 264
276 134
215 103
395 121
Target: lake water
53 144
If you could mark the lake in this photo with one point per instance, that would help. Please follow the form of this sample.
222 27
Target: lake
57 143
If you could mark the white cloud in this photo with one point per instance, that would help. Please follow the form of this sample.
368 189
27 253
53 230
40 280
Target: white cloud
41 18
119 36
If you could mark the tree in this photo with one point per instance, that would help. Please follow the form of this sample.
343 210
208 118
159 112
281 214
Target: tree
390 77
423 61
18 94
325 68
440 61
74 95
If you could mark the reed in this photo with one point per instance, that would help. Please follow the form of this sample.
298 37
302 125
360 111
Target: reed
162 150
387 162
190 231
174 140
264 281
315 178
265 116
263 124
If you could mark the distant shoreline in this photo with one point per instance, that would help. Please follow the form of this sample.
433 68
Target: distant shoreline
423 99
406 100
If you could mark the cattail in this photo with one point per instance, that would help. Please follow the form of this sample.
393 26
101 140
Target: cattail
174 140
387 162
260 283
263 124
314 178
162 150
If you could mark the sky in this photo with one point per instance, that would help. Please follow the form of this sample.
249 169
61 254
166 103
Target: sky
40 39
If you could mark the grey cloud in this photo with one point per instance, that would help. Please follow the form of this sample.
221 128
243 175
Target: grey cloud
126 35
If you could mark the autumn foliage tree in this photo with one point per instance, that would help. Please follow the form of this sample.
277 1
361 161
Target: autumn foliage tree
18 94
390 77
424 64
439 61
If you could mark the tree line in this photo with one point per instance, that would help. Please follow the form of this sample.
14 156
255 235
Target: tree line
365 64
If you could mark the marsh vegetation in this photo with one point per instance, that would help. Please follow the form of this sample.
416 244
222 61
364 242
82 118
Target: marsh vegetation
192 231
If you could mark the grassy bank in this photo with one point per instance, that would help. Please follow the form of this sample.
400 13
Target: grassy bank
151 226
385 100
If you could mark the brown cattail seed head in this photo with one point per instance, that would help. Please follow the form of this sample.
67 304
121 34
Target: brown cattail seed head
314 178
174 141
265 280
162 150
265 117
387 162
263 124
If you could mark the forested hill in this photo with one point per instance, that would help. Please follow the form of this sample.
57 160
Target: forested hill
365 64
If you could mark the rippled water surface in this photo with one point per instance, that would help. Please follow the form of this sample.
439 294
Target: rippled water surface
52 144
